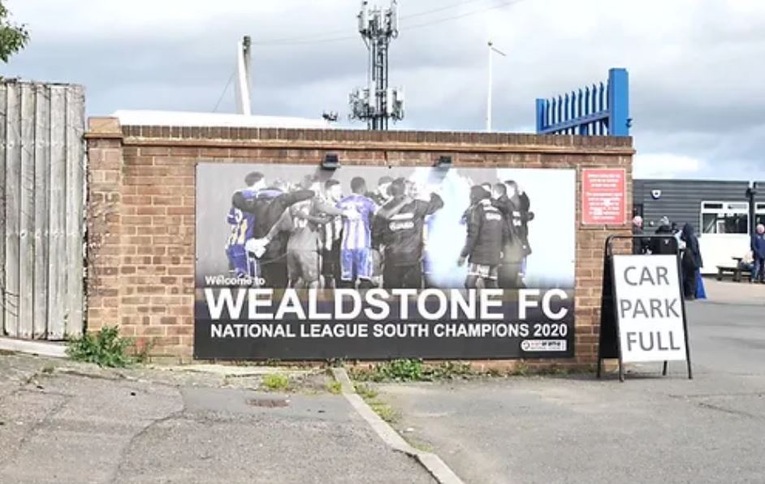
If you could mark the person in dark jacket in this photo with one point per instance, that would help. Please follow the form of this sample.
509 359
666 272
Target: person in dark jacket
691 261
268 210
515 247
641 245
486 232
381 196
664 245
758 254
400 234
524 203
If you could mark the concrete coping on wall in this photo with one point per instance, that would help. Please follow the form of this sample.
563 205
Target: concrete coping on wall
349 140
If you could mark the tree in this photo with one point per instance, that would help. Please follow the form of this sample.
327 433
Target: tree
13 37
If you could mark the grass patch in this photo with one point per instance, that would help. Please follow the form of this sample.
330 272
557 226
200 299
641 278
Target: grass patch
105 348
410 370
382 409
520 369
421 446
334 387
276 382
413 370
366 392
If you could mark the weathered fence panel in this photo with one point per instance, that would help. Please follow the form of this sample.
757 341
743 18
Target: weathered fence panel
42 220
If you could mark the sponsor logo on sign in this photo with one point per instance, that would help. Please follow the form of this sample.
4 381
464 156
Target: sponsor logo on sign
656 194
543 345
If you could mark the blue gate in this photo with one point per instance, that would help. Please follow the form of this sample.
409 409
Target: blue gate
597 110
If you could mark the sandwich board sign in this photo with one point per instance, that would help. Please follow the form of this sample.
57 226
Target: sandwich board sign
643 310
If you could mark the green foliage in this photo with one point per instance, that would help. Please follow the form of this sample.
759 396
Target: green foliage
334 387
105 348
276 382
385 411
369 394
365 391
450 370
398 370
416 370
13 37
409 370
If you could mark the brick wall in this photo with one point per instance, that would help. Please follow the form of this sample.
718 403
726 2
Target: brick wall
142 204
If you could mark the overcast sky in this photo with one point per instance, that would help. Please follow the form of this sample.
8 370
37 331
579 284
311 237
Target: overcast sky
696 74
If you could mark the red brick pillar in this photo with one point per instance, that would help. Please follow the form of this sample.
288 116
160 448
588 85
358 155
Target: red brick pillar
104 206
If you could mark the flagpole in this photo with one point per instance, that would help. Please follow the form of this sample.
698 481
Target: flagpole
489 91
490 87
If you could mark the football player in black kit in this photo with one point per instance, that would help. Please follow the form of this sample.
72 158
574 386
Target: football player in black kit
515 248
401 236
486 232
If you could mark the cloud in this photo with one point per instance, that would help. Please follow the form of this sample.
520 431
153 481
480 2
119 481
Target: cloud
665 165
694 75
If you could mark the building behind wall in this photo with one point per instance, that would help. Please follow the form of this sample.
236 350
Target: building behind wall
718 211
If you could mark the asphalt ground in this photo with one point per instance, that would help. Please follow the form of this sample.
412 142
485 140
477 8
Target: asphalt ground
59 425
61 422
577 429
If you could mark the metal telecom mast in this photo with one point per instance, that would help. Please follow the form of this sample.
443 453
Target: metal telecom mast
377 103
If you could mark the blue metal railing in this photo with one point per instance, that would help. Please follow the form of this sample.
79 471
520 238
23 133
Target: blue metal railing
596 110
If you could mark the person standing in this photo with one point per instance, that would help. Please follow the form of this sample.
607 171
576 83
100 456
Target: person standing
332 237
526 216
242 228
515 247
381 195
305 241
486 232
691 262
356 260
401 235
758 254
639 245
267 212
664 244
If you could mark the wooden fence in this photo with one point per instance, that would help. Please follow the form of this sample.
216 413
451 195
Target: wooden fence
42 218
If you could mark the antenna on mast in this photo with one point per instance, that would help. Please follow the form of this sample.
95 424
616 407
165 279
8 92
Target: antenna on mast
243 64
377 103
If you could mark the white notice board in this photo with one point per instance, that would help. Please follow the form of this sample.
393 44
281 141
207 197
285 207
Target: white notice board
649 308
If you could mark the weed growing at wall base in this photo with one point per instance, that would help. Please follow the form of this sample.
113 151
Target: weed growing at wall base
413 370
276 382
409 370
105 348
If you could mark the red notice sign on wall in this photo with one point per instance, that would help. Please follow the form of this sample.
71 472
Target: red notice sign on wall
603 196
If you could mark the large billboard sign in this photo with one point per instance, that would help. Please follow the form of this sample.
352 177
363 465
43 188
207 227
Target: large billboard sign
295 262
